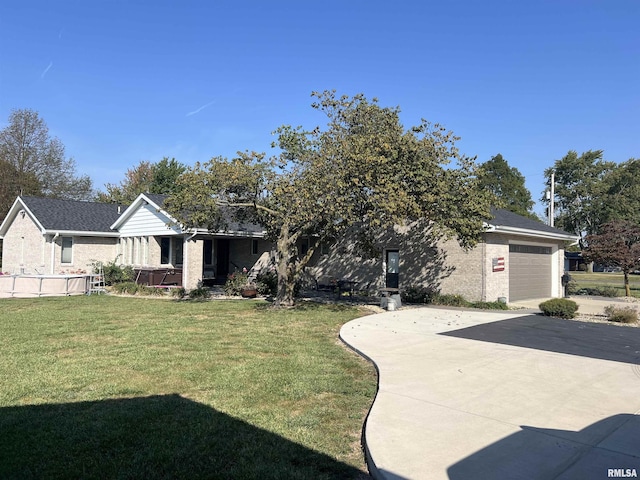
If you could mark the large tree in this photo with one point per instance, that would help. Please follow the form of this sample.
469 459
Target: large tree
579 191
507 184
146 177
33 155
621 187
364 172
616 245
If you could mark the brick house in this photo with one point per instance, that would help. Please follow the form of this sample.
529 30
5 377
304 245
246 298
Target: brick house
518 258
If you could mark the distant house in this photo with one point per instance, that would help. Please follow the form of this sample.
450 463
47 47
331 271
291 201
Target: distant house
518 258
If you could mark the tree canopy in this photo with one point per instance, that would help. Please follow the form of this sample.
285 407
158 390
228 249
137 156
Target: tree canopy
580 191
37 162
507 184
363 171
146 177
617 244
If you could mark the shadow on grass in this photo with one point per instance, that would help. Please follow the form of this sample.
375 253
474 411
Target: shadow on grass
156 437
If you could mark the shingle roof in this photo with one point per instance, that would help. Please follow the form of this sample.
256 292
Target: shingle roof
232 225
505 218
72 215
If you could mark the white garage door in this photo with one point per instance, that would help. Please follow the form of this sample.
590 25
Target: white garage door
529 272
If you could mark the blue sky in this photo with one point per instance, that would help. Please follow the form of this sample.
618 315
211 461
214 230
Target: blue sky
123 81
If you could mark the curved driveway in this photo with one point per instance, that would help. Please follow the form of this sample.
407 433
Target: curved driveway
493 395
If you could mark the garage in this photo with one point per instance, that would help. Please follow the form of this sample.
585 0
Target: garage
530 272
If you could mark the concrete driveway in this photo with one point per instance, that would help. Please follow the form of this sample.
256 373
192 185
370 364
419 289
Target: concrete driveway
498 395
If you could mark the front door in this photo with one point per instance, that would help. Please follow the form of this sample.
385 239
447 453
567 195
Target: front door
222 260
393 269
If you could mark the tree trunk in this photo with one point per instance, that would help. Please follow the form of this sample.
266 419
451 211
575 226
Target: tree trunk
627 287
285 269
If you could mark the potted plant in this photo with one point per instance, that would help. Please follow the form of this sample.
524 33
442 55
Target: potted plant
249 291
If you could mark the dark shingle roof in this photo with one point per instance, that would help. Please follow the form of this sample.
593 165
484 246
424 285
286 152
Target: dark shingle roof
505 218
72 215
232 225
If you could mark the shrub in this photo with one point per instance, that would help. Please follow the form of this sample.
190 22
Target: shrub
126 287
490 305
621 315
559 307
200 293
603 291
114 273
235 282
267 283
179 292
451 300
419 294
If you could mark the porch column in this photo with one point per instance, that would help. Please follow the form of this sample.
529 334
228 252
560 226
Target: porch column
193 263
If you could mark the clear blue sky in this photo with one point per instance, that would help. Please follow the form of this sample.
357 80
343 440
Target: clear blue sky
123 81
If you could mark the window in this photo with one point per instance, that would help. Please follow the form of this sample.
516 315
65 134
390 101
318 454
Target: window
530 249
324 248
304 246
177 245
208 252
165 250
254 247
67 248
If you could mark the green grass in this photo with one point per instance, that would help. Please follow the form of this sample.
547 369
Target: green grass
112 387
600 279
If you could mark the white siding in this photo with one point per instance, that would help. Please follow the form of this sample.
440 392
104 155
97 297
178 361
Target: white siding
147 221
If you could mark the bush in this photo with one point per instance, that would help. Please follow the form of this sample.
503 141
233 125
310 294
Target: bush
451 301
179 292
490 305
234 284
559 307
114 273
621 315
126 287
598 291
267 283
419 294
200 293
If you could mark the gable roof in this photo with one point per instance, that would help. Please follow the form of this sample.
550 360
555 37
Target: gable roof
54 215
157 201
504 221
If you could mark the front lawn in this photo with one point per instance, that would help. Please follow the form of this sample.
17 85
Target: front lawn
112 387
602 279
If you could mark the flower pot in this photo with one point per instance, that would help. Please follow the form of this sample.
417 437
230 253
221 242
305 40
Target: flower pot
249 292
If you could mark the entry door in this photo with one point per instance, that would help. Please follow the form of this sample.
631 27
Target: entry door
393 269
222 259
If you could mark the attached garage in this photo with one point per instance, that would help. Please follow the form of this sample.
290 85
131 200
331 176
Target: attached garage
530 272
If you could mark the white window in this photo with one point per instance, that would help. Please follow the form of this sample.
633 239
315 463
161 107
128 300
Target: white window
67 250
165 250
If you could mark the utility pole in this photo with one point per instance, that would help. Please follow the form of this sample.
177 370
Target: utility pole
552 199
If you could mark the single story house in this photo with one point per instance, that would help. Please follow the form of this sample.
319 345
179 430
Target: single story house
518 258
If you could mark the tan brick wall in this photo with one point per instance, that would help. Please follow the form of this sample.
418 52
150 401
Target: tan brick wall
86 250
192 271
241 256
496 283
24 247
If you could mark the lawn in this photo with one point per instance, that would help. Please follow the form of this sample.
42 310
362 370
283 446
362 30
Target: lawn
113 387
600 279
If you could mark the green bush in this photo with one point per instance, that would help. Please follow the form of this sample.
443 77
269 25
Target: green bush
419 294
621 315
179 292
114 273
603 291
200 293
490 305
267 283
126 287
451 301
559 307
234 284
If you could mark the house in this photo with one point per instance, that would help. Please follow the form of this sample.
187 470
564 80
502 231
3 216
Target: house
51 236
518 258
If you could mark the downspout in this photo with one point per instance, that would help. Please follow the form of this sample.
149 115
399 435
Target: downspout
53 252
